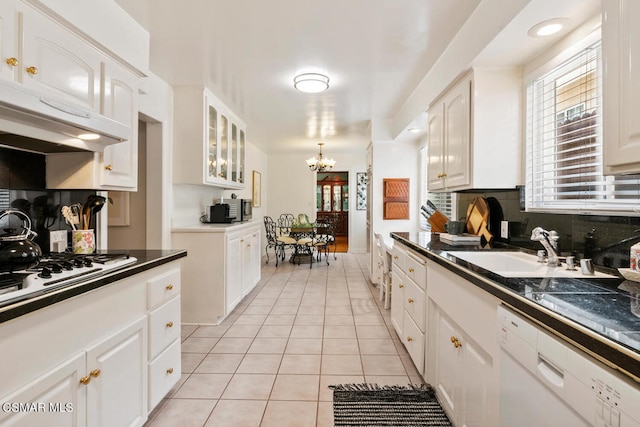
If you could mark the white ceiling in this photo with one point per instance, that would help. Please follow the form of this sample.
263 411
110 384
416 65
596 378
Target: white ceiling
375 52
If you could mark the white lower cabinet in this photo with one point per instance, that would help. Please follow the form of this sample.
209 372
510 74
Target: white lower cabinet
462 348
223 266
408 283
104 386
86 361
116 378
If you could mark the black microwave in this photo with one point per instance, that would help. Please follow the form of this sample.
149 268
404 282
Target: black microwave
240 209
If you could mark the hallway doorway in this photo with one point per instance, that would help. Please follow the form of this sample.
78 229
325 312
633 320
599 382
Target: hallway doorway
332 204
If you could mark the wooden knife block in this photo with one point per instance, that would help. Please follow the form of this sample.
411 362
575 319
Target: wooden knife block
437 221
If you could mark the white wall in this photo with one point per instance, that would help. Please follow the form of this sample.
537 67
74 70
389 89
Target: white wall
394 159
292 189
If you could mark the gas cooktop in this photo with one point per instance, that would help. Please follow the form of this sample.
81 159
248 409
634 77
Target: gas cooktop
58 270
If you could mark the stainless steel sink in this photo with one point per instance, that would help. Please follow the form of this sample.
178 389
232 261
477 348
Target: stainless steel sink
519 264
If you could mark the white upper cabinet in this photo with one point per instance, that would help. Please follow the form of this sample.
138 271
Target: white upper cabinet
48 58
120 161
474 138
209 140
621 86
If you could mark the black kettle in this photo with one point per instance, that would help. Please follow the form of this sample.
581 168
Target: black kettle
17 250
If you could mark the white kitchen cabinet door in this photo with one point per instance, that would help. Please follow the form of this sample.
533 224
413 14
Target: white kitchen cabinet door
449 143
397 301
120 161
435 148
252 254
117 392
476 377
57 63
621 86
457 131
448 363
9 53
233 282
58 397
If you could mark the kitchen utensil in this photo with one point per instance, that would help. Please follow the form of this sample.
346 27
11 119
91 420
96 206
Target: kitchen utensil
68 216
432 206
478 218
427 210
18 251
92 206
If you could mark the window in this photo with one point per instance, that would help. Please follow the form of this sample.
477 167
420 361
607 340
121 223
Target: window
564 142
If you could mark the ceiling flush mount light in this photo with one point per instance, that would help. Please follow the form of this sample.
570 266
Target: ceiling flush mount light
88 136
547 28
320 163
311 82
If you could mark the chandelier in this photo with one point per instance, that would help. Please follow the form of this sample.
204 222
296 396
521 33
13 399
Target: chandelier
320 163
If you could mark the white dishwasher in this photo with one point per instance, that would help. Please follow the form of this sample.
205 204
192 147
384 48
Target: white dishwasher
546 382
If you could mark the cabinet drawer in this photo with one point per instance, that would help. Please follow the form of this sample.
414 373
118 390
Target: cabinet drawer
162 288
414 303
397 257
416 269
413 340
164 326
164 373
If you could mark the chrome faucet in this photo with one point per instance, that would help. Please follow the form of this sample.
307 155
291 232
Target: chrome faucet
548 239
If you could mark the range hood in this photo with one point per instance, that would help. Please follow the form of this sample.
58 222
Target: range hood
30 121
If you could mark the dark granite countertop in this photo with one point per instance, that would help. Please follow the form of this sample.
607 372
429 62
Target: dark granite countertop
601 316
145 260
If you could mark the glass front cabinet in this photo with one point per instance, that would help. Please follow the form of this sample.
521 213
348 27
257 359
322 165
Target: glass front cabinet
207 133
332 200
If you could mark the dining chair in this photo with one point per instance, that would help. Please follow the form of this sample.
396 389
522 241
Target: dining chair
384 278
272 239
285 222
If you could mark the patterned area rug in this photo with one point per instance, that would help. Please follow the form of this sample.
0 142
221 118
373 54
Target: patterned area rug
373 405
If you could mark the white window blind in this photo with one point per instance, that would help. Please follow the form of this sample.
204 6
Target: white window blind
564 142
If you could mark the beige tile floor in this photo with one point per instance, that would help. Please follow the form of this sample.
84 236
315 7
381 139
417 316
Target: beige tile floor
271 361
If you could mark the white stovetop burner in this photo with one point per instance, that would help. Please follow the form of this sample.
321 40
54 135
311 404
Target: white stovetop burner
36 281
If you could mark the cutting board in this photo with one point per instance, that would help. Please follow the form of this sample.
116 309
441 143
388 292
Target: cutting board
478 218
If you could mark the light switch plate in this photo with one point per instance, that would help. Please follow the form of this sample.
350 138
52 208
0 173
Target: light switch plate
504 229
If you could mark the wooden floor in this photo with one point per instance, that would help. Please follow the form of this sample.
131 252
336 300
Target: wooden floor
342 244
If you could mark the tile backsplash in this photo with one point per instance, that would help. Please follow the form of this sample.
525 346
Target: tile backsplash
606 239
23 187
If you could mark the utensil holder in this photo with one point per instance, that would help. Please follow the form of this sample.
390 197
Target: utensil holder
83 241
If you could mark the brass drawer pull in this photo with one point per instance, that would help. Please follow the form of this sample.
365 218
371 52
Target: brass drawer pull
170 371
169 324
410 270
169 287
409 339
95 373
13 62
85 380
410 301
32 70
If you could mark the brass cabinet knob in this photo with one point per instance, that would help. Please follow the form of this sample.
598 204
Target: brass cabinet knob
32 70
108 168
169 324
85 380
401 286
409 339
453 339
456 342
13 61
395 257
410 270
95 373
170 371
410 301
169 287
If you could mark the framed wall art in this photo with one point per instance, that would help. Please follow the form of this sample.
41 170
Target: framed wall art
257 192
361 191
